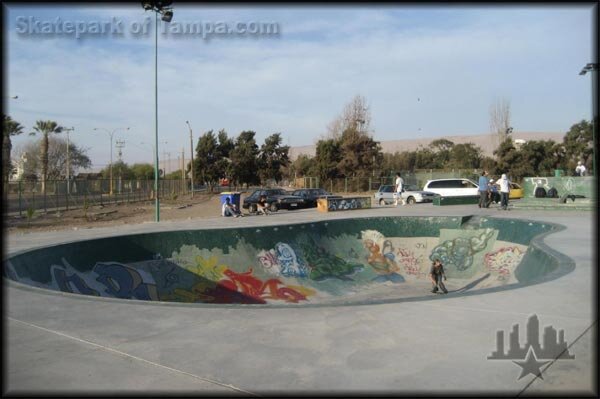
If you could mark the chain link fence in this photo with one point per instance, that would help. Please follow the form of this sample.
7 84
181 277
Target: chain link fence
23 196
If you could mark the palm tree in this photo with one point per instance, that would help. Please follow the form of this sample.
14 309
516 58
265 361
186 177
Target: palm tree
10 128
45 128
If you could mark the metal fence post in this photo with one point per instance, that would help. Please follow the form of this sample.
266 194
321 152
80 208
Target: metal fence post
67 194
20 188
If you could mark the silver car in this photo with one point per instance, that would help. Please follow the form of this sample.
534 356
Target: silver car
411 194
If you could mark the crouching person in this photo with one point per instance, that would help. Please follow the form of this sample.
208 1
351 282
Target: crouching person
229 209
436 273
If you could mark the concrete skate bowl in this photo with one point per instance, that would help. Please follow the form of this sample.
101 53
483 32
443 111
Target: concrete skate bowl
339 262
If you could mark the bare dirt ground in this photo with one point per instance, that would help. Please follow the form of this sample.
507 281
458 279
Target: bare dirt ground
202 205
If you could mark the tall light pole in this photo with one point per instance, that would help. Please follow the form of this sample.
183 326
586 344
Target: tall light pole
593 69
68 164
192 157
160 7
111 134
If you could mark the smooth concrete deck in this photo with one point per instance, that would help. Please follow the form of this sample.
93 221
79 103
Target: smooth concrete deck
64 343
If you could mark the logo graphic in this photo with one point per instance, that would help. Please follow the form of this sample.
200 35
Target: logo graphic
532 356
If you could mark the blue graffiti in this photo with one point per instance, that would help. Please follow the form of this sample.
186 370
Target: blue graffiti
123 282
291 265
66 282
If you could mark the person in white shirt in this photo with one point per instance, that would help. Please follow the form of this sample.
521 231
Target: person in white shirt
399 189
504 191
580 169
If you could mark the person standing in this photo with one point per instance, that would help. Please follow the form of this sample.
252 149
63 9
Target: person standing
399 189
580 169
483 189
504 191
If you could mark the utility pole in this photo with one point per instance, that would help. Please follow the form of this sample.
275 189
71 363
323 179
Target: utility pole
182 165
120 144
192 158
68 164
111 145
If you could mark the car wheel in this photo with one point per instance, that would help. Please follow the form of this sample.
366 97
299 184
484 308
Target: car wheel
273 207
253 208
411 200
382 202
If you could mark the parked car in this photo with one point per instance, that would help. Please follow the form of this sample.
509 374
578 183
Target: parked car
411 194
311 195
452 187
516 192
276 198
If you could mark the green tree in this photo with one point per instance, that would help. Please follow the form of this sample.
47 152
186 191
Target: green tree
207 156
302 166
534 158
224 148
442 149
9 128
359 151
142 171
489 164
465 156
272 158
578 144
120 170
244 159
327 158
45 128
425 159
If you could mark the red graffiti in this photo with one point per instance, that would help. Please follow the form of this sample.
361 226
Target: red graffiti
250 286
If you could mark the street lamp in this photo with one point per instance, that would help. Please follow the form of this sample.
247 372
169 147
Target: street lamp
192 155
111 147
593 69
160 7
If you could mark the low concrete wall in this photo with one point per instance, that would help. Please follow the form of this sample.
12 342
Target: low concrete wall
567 184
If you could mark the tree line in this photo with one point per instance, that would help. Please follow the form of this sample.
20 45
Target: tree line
348 150
355 154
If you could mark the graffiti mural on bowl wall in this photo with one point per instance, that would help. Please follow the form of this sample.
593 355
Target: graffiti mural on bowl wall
462 251
382 260
503 262
307 268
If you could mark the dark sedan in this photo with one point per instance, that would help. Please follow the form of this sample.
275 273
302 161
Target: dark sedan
311 195
276 199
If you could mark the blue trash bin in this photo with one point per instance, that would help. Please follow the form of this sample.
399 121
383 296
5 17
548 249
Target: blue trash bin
234 198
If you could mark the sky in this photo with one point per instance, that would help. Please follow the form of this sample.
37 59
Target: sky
425 71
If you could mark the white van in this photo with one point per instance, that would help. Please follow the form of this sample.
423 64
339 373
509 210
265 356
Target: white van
452 187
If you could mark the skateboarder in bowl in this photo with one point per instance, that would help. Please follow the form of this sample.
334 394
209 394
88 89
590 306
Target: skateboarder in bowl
436 273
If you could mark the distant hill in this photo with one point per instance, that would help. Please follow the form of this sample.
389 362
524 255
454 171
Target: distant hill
484 141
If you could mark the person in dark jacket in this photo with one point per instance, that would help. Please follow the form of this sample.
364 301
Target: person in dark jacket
436 273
